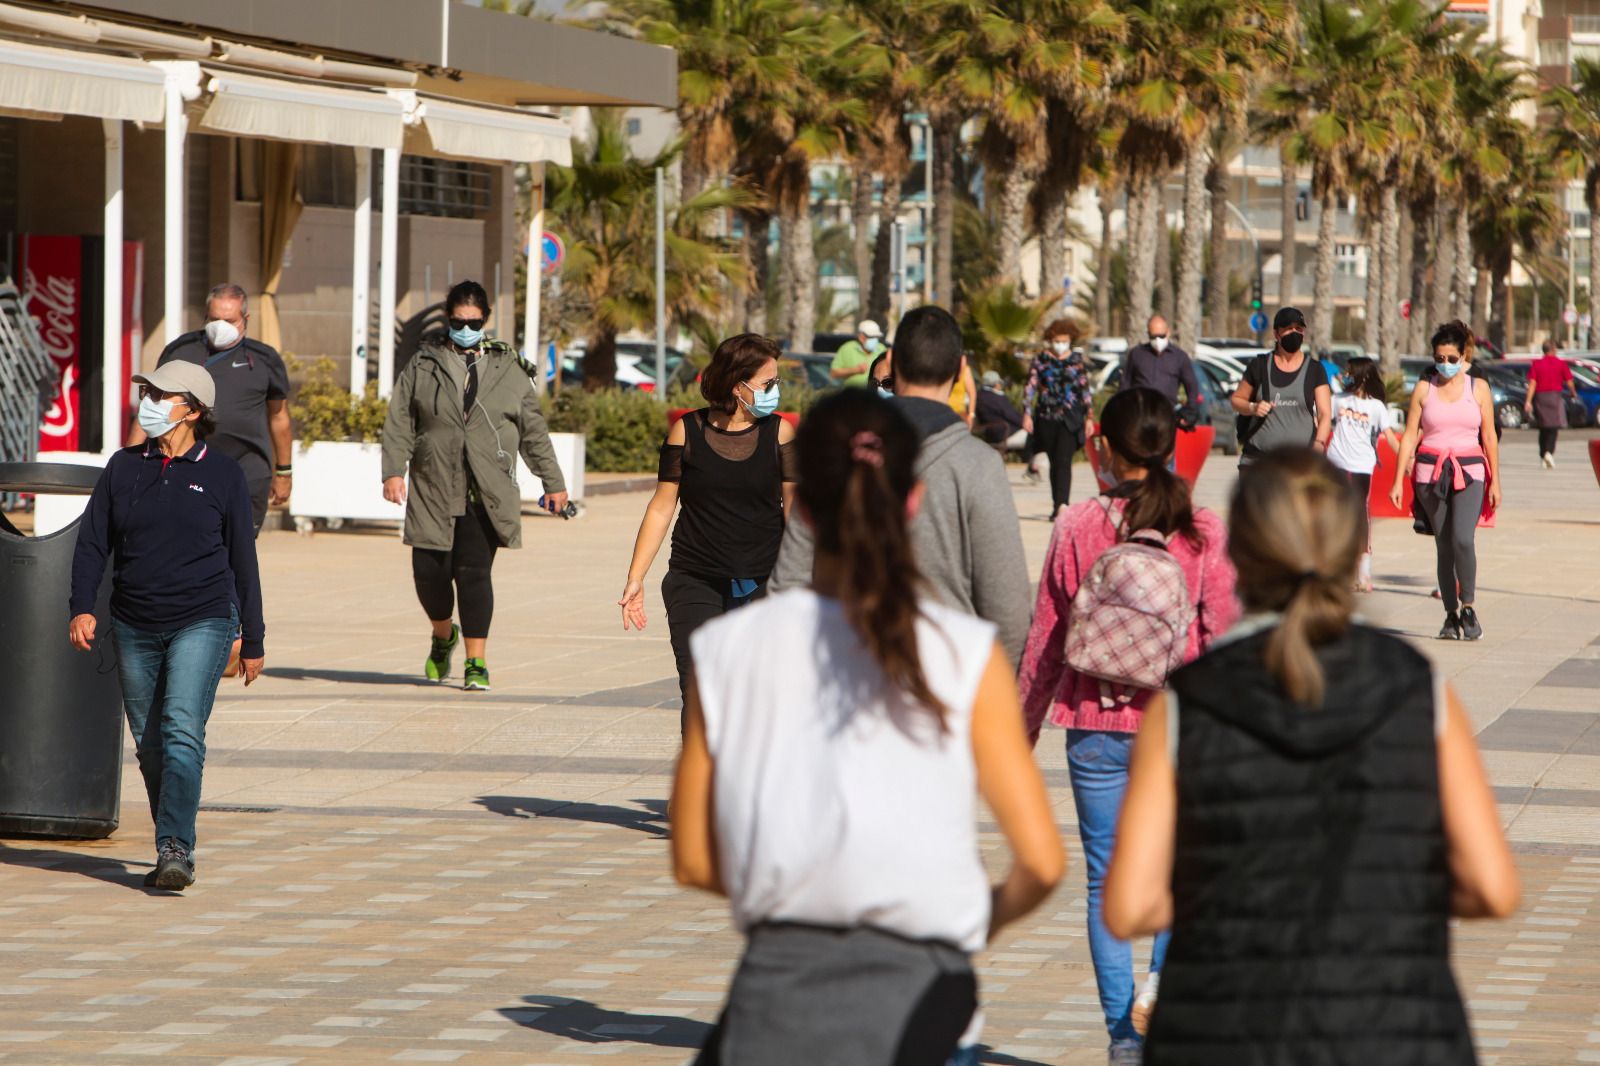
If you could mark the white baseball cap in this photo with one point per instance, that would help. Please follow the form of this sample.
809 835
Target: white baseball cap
868 328
182 376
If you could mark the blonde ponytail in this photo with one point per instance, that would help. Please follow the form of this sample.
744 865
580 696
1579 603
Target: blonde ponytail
1294 535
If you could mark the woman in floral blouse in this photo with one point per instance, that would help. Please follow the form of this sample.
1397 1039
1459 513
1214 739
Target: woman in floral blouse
1057 407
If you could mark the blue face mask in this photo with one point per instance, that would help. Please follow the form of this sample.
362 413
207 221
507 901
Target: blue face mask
155 417
874 345
1448 370
467 338
766 402
887 394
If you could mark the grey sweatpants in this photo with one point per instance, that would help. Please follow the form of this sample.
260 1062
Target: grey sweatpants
1455 524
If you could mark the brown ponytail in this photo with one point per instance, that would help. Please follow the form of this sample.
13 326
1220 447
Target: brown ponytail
1295 534
857 459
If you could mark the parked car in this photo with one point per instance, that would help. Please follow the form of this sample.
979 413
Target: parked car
1514 372
826 343
636 363
807 369
1586 372
1215 409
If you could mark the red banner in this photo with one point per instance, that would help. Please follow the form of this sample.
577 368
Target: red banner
52 292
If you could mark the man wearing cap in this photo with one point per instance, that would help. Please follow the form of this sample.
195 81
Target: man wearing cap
852 360
1161 365
998 420
252 410
172 516
1283 400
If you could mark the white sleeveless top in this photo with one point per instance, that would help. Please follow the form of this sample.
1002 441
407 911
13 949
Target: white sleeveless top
838 800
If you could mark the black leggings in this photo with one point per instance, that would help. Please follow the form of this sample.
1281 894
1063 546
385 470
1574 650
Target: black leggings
1362 484
691 602
1547 441
1455 525
464 570
1059 443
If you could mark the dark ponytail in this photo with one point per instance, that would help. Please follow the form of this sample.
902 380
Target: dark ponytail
857 468
1142 429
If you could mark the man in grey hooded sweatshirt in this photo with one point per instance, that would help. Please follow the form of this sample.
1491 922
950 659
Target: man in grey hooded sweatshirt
966 535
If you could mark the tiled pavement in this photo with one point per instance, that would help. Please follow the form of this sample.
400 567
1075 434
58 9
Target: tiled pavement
397 872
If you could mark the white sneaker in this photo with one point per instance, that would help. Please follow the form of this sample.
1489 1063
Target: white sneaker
1144 1003
1548 460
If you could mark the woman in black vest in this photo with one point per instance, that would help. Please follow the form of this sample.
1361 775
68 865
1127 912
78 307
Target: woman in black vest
732 466
1309 898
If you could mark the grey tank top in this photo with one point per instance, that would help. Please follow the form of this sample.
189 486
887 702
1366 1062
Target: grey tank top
1292 422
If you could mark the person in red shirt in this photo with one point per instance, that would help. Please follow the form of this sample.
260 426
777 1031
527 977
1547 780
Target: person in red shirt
1548 379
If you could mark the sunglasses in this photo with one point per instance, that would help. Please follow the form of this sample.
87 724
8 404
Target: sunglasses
466 323
763 386
1448 358
150 392
885 383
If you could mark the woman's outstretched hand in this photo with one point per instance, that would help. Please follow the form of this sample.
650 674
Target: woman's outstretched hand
632 604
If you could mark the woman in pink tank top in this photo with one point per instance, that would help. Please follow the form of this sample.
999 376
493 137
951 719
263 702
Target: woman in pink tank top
1453 452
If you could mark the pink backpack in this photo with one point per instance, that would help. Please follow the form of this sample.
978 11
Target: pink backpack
1130 619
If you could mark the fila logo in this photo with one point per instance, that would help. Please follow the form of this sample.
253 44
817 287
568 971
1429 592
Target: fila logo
195 488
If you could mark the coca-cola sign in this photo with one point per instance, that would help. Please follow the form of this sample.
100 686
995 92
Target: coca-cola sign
52 291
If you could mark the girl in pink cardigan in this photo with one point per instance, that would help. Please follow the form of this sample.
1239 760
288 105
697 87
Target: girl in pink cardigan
1141 429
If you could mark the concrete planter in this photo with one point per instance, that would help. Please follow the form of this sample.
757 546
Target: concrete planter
341 480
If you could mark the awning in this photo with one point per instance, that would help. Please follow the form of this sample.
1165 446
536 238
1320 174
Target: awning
286 110
471 131
62 82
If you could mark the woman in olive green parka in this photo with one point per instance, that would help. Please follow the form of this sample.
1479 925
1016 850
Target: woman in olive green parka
460 414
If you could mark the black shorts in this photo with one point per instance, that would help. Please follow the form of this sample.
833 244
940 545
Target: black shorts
260 488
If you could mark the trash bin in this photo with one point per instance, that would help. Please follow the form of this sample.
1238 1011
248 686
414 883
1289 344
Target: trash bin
60 708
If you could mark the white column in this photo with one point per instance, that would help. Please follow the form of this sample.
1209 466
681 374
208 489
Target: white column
361 271
112 383
388 254
532 350
661 283
173 253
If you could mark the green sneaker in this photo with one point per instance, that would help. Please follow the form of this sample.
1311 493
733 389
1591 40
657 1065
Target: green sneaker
438 665
477 676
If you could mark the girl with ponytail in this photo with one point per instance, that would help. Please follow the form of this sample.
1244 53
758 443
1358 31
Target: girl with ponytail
1306 811
1141 429
837 737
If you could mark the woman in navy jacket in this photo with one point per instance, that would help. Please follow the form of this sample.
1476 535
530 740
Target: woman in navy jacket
174 518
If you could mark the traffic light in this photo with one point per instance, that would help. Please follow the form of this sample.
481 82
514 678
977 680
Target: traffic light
1255 293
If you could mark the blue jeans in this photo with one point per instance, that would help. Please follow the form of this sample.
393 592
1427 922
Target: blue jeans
1098 762
169 681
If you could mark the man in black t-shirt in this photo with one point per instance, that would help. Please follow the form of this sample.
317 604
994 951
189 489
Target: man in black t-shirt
252 409
1284 400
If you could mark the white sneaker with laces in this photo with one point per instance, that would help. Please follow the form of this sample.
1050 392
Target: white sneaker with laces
1548 460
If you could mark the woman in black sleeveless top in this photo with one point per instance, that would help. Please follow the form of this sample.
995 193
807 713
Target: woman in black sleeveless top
1306 811
732 466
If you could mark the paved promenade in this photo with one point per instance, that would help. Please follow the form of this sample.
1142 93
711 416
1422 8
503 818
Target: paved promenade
396 872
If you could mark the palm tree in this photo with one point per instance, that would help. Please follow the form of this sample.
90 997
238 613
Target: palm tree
1011 63
1188 66
605 203
1344 104
1574 140
1515 220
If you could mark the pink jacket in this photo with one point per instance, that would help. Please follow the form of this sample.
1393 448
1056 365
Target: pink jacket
1082 534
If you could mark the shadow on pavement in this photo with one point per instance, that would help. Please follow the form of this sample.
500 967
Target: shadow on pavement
577 1019
650 820
349 677
987 1054
123 872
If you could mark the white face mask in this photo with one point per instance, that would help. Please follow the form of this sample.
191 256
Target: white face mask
1159 344
221 335
1061 347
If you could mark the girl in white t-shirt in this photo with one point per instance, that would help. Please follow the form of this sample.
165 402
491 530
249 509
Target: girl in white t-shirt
1360 418
837 738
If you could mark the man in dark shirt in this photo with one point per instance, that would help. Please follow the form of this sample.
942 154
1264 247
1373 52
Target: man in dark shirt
998 420
252 410
1161 365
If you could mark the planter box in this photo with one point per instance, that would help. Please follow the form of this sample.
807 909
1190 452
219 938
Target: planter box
339 480
570 456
